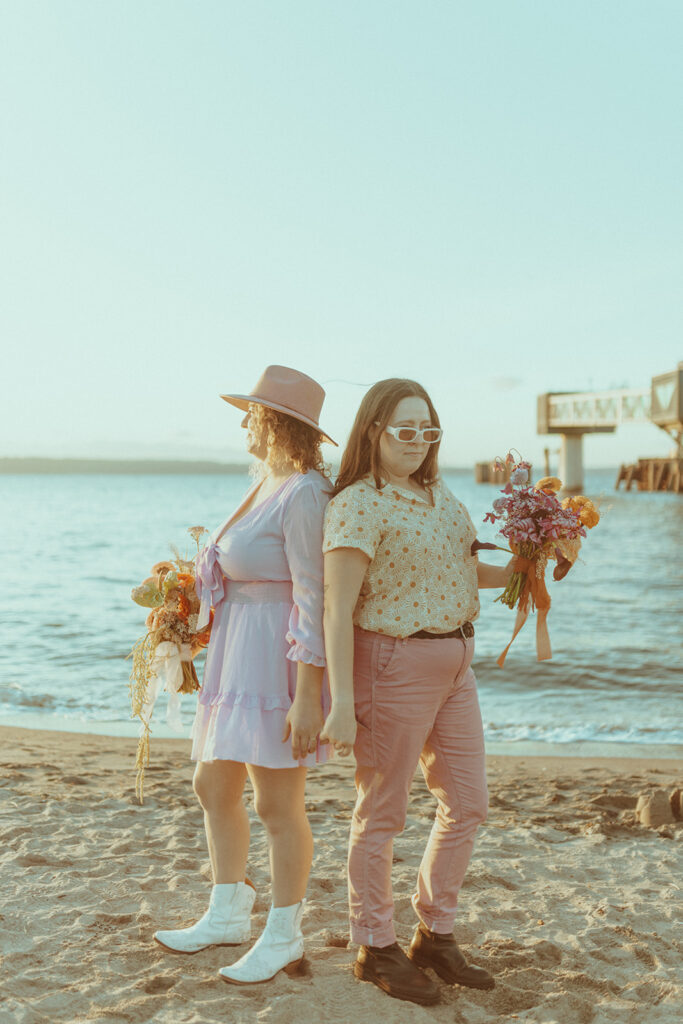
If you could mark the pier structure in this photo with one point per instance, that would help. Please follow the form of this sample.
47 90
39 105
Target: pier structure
653 475
573 414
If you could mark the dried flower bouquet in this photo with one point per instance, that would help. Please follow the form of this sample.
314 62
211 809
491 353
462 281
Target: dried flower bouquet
162 658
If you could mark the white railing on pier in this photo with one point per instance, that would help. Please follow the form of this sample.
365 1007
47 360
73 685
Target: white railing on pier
599 408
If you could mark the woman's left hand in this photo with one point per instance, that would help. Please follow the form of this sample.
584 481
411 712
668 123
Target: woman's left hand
340 728
303 722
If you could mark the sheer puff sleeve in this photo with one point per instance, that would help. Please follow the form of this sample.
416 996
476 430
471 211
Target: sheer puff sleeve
303 533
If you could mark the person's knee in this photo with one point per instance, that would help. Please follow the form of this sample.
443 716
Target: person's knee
276 814
476 807
200 786
470 812
216 791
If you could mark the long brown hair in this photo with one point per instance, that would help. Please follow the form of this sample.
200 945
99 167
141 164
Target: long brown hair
361 455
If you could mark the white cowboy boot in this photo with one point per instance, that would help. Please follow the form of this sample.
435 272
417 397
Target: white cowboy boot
226 922
279 947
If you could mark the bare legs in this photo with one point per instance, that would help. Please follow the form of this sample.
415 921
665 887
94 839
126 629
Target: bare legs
219 786
279 803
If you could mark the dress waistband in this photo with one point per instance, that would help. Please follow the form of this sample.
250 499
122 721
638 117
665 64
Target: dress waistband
261 592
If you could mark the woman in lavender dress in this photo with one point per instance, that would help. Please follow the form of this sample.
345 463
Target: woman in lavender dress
263 698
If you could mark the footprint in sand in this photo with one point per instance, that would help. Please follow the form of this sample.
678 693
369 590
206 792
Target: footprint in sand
157 985
334 939
31 860
12 833
326 884
185 864
109 921
123 847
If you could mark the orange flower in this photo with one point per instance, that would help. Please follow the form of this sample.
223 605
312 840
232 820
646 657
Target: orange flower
549 484
587 512
183 607
589 516
576 502
203 638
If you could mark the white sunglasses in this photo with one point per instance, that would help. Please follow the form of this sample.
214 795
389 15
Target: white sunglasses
430 435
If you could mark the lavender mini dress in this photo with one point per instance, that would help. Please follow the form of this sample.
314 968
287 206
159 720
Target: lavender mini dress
263 576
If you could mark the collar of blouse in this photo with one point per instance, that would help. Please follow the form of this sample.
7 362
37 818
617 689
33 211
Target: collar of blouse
405 493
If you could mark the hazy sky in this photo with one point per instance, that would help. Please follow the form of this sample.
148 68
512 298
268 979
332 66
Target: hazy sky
485 196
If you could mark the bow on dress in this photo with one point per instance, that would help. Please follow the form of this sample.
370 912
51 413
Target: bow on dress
209 582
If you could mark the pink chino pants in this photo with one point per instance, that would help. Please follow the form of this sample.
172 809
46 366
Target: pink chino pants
416 702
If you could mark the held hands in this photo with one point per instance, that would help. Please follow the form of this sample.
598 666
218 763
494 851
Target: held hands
340 728
303 722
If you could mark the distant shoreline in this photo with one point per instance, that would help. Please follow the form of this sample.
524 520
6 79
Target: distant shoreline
160 467
140 466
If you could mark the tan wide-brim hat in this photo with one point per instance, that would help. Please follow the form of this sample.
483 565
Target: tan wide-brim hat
288 391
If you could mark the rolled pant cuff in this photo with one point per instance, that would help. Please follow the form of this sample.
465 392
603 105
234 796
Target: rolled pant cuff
440 925
382 936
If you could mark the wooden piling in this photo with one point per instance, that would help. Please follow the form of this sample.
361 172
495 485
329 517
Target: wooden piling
653 475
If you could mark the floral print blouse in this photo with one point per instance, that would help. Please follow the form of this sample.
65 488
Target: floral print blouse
421 573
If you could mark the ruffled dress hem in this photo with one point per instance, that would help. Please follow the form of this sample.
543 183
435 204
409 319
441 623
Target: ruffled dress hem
249 731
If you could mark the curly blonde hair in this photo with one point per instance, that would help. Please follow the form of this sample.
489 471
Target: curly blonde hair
287 439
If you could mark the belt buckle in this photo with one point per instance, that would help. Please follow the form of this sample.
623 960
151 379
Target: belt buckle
467 630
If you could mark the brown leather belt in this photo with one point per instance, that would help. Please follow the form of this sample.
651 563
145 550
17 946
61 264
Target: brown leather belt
464 632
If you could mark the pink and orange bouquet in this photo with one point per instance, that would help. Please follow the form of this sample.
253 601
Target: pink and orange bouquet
162 658
539 528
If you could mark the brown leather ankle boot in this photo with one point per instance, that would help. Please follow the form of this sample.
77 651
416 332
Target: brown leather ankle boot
390 969
441 953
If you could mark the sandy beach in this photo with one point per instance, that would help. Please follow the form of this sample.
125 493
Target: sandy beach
569 901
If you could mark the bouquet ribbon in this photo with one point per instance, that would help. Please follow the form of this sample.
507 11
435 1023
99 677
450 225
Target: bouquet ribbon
167 674
535 594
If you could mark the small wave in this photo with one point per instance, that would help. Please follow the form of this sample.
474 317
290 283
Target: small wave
588 732
47 702
108 579
35 700
636 676
11 685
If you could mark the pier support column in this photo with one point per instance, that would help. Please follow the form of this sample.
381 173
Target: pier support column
571 462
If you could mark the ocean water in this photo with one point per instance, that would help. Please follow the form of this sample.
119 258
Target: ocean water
74 546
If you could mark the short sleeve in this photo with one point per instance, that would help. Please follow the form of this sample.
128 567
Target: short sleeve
303 535
352 521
